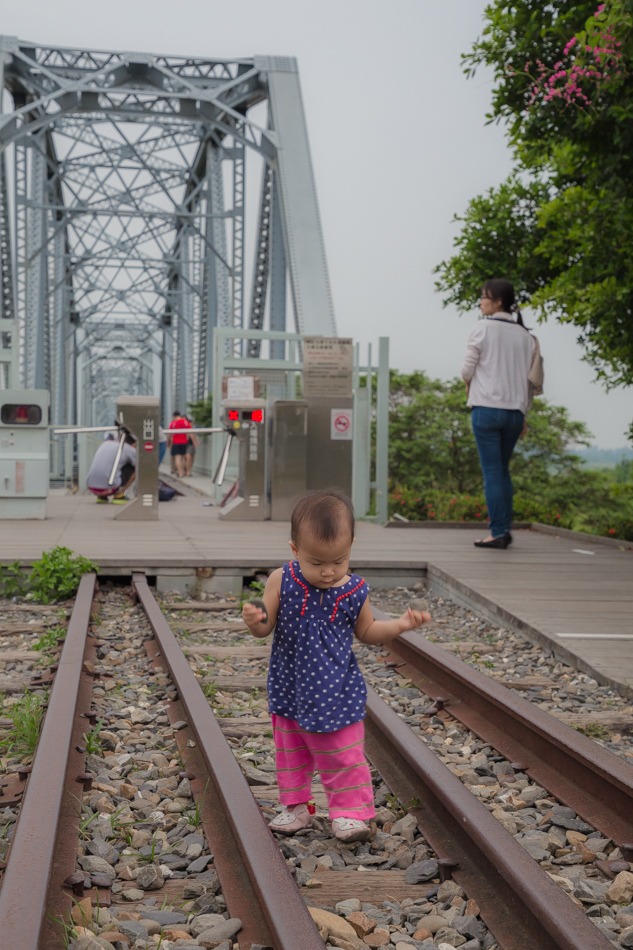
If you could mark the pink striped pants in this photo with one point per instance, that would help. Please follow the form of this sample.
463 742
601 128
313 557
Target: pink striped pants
339 759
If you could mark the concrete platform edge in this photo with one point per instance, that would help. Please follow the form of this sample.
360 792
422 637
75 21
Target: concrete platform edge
582 536
442 583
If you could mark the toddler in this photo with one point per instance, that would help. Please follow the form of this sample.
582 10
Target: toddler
316 691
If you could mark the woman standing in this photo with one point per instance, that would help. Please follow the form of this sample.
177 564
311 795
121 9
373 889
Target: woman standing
498 360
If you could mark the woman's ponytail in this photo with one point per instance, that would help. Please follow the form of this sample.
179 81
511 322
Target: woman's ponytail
503 290
515 309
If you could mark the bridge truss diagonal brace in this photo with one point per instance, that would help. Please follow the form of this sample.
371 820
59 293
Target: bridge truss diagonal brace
303 234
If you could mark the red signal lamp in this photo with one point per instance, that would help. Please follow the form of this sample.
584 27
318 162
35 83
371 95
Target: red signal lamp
258 415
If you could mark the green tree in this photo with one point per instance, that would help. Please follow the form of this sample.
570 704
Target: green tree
435 474
431 441
430 437
202 411
560 226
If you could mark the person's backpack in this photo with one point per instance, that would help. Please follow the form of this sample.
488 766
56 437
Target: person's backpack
165 493
536 374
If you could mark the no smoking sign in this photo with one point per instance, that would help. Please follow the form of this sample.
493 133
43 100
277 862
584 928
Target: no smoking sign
341 424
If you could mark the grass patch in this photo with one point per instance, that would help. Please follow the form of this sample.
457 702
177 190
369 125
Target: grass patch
594 730
27 714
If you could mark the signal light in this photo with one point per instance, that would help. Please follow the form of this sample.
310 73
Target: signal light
258 415
233 415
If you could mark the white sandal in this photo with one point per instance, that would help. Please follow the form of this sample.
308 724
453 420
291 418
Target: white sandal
350 829
291 819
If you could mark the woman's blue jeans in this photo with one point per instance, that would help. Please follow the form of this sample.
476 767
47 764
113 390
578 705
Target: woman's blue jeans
496 433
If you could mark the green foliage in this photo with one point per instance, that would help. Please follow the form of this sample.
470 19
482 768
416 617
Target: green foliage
595 730
435 473
623 471
21 738
55 576
195 817
48 640
91 739
201 411
255 591
210 690
560 226
12 579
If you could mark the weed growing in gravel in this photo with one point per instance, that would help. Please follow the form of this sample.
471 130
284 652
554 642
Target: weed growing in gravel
210 690
395 805
149 858
594 730
115 823
48 640
195 819
11 579
21 738
93 743
86 817
66 929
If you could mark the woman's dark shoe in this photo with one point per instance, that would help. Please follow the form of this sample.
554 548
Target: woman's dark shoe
508 536
500 542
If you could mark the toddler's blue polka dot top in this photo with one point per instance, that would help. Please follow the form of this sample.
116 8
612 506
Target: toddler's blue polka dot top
313 675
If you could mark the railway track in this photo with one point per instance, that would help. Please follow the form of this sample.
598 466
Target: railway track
578 772
473 856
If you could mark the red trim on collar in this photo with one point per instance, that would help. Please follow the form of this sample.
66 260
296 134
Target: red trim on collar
301 584
343 596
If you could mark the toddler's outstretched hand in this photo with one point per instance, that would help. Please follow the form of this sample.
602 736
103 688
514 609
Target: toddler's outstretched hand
411 619
254 611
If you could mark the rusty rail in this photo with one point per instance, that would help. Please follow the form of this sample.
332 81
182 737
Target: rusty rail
524 909
593 781
255 879
44 847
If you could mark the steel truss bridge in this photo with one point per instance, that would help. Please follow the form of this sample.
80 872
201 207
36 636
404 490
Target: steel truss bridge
124 233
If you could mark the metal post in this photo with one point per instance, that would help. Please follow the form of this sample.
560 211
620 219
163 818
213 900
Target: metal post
278 274
309 280
382 431
219 351
35 270
237 261
262 259
184 325
59 375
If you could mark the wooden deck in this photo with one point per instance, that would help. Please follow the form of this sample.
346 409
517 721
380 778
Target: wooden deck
570 591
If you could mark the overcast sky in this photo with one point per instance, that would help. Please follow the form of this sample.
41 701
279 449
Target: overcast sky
399 145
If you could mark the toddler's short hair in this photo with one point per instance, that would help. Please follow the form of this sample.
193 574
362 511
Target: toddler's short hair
325 513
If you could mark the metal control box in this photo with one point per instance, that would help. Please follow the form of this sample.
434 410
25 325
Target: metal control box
141 416
288 456
330 424
246 418
24 453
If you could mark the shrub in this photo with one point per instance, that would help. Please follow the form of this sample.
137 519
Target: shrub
55 576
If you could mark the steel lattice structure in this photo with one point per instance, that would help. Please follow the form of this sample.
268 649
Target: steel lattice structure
122 218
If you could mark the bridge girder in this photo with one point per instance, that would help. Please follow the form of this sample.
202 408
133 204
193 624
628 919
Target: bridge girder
125 240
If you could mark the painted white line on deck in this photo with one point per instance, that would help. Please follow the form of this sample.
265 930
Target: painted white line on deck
596 636
581 551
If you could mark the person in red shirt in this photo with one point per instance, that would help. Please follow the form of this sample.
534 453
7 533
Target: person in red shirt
178 442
